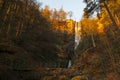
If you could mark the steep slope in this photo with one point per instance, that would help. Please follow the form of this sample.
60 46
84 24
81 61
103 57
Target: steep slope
27 41
102 61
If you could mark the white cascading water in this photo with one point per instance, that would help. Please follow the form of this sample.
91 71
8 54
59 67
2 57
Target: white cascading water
69 63
77 38
77 34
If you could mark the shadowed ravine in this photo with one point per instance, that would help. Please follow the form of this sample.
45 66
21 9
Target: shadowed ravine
42 44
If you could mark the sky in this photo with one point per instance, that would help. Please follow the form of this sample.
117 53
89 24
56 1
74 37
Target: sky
76 6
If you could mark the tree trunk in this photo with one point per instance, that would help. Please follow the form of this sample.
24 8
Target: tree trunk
111 17
93 41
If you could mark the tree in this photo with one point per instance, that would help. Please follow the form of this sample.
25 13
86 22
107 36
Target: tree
70 14
89 31
112 7
92 6
46 13
62 14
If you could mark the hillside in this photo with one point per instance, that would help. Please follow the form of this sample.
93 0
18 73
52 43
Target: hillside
98 55
37 44
102 61
27 41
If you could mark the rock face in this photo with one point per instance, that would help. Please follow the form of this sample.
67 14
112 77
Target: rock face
26 42
20 57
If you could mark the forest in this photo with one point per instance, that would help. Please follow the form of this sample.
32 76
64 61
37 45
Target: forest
38 43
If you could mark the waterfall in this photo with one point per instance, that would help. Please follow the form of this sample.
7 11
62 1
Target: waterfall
77 34
69 63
